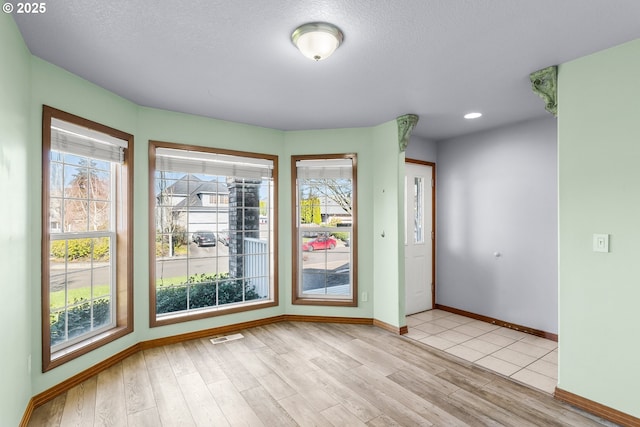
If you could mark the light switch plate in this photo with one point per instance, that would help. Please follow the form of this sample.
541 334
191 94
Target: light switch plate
601 243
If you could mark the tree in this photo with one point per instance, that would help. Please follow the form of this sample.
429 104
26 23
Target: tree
87 198
168 217
310 211
337 190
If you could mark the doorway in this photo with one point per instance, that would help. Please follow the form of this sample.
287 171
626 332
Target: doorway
419 236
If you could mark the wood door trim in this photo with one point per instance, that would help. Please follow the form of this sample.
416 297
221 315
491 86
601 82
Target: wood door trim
433 225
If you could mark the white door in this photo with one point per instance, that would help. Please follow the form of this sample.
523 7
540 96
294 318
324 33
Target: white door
418 237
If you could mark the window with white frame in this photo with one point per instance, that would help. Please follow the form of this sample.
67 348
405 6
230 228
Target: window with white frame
86 236
324 230
211 252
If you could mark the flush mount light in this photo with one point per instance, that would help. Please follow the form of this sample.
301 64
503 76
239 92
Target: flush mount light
470 116
317 40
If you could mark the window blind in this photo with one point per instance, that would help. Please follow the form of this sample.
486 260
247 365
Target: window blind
199 162
329 168
73 139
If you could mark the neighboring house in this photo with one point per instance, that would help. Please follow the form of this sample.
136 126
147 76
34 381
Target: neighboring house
332 211
207 203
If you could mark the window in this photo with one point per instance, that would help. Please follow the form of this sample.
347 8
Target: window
86 229
324 230
418 209
211 251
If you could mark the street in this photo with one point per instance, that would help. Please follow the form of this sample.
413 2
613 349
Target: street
205 259
202 261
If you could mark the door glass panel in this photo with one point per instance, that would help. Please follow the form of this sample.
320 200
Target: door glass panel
418 209
406 209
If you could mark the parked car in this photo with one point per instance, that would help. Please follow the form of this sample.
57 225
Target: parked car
223 237
320 242
204 238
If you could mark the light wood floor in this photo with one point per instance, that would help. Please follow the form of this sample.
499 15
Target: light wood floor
313 374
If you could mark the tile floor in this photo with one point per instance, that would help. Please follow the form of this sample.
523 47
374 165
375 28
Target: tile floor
525 358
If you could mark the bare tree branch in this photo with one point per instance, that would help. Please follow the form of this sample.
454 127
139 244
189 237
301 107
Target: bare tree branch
336 190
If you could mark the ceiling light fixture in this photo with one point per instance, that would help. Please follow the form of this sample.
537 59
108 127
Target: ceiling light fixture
470 116
317 40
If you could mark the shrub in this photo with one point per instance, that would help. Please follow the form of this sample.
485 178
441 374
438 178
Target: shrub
338 234
178 240
171 298
180 236
79 249
101 249
201 289
162 249
79 319
341 235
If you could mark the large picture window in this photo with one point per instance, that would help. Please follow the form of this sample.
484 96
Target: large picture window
325 238
86 229
213 232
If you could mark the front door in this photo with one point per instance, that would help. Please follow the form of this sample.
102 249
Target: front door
418 237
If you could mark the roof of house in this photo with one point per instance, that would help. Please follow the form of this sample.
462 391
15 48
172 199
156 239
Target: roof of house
193 188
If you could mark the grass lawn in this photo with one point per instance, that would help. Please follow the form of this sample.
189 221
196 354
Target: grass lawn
56 299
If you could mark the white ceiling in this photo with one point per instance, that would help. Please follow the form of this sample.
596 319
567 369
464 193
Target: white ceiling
233 59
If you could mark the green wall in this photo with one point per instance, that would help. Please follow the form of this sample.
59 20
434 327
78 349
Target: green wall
388 225
599 192
15 306
57 88
599 179
169 126
35 82
334 141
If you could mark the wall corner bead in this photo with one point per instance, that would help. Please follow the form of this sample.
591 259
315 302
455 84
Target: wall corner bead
406 123
545 83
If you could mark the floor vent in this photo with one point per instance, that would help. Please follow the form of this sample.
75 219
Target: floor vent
226 338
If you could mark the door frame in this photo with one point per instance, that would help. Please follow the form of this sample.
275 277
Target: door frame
433 224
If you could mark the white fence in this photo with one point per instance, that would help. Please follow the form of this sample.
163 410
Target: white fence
256 265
